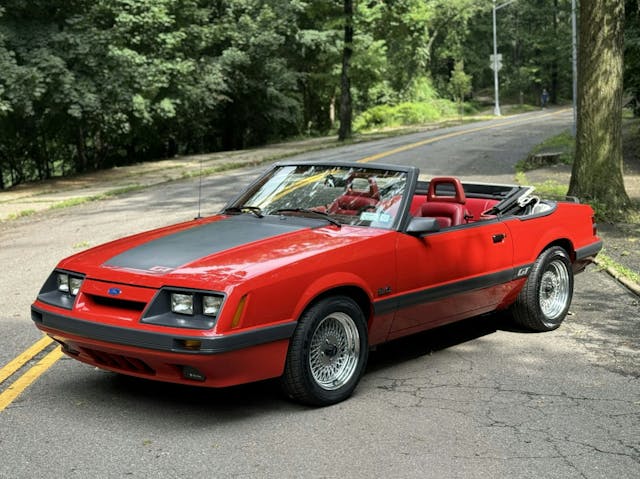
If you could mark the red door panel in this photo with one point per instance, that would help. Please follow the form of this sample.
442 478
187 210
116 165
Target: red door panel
450 275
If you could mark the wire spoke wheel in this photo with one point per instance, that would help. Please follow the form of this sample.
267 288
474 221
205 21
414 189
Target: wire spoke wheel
546 296
334 351
327 353
554 290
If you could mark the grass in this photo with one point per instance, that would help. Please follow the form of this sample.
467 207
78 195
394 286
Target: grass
606 262
103 196
563 144
524 108
70 202
411 114
221 168
21 214
562 141
549 189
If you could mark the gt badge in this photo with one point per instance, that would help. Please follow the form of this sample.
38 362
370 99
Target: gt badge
523 271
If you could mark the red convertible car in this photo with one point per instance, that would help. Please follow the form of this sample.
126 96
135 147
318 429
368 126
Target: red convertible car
307 269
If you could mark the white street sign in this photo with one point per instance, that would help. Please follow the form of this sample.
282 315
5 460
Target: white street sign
495 61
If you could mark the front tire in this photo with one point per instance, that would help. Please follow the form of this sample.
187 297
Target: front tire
327 354
545 298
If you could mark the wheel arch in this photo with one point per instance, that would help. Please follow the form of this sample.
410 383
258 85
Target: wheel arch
563 243
354 292
338 285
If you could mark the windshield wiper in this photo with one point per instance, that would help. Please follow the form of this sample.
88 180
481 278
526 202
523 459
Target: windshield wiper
244 209
321 214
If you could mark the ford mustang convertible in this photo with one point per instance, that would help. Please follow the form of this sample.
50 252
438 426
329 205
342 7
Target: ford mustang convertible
307 269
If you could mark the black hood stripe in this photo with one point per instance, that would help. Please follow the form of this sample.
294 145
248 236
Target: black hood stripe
172 251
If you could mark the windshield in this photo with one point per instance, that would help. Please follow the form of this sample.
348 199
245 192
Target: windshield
351 196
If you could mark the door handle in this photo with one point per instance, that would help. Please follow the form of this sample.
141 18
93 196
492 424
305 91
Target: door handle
499 238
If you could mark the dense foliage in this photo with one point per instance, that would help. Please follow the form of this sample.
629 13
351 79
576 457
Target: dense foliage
92 84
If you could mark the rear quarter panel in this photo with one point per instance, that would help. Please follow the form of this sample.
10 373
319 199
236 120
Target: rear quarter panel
568 223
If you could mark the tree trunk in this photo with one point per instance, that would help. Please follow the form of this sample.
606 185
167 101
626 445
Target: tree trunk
81 151
345 82
597 169
1 171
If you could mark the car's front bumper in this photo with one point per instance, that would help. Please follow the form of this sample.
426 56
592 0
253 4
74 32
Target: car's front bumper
217 361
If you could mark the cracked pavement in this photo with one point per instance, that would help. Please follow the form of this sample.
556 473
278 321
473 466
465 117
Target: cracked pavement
522 404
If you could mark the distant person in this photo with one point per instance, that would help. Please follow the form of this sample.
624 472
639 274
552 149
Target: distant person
544 98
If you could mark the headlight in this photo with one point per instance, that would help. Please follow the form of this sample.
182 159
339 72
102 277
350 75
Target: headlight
185 308
69 284
182 303
63 282
61 288
211 305
74 285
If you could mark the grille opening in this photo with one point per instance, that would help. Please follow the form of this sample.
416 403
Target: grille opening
117 303
117 361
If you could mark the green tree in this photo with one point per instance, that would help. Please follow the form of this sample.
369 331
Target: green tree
314 54
262 88
597 169
459 84
534 38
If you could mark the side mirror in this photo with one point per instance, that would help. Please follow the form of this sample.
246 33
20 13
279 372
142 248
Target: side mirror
421 226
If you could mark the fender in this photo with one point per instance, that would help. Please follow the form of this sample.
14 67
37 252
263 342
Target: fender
329 282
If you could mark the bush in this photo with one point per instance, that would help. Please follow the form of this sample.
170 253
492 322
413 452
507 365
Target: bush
407 113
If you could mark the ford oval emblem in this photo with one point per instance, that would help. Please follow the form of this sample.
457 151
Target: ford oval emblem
114 291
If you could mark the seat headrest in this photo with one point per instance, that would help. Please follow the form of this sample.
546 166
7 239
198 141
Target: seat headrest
459 196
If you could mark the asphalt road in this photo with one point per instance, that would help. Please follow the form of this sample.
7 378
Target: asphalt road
474 399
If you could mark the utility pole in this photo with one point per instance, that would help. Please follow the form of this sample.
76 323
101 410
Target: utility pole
495 59
496 90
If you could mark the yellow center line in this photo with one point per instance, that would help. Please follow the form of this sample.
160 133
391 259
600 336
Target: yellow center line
24 357
418 144
24 381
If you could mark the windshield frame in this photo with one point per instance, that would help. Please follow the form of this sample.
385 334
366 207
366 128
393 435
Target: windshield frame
401 218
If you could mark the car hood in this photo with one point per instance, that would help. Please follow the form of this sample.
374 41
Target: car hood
216 252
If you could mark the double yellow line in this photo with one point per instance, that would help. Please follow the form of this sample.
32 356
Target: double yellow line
33 373
25 380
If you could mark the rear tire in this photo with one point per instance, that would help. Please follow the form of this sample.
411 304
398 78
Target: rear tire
546 296
327 354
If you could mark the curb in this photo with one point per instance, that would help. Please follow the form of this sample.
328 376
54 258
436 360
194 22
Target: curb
632 286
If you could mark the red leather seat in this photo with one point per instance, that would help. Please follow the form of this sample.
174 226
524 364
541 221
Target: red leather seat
353 202
446 209
447 214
